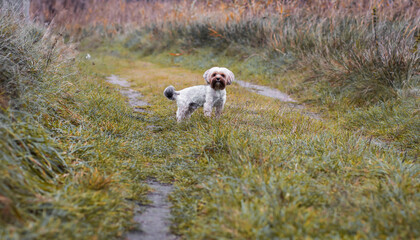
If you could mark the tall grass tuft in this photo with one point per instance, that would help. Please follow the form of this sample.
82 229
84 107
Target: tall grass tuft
29 155
58 152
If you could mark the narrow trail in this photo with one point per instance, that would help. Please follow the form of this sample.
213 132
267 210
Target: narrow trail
276 94
132 95
153 218
266 91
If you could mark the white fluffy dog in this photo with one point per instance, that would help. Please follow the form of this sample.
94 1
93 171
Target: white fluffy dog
208 96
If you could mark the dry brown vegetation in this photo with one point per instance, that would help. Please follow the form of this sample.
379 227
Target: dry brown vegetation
75 15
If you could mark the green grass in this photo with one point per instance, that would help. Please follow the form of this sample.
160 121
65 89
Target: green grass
69 166
266 170
394 122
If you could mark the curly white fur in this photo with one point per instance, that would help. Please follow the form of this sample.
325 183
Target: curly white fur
208 96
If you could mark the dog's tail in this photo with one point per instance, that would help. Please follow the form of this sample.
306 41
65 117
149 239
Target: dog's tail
170 93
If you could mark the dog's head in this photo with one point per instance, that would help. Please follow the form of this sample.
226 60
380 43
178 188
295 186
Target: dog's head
218 77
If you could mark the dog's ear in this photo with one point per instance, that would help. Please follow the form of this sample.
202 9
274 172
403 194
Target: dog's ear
230 77
206 76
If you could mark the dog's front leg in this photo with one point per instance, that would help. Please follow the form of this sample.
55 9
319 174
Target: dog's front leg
207 109
208 105
218 110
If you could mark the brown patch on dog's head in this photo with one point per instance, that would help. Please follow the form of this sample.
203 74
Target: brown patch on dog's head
218 78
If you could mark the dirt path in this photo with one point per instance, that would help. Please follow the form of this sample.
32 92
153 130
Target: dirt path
266 91
276 94
154 218
132 95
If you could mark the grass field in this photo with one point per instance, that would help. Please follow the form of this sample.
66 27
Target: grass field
268 170
74 157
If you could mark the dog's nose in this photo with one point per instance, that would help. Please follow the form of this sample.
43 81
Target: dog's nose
218 79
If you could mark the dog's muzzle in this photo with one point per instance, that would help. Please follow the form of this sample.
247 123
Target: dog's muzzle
218 84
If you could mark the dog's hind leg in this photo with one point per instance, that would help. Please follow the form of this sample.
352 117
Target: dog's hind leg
185 112
192 107
181 113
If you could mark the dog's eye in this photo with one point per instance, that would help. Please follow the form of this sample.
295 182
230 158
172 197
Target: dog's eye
214 74
223 75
